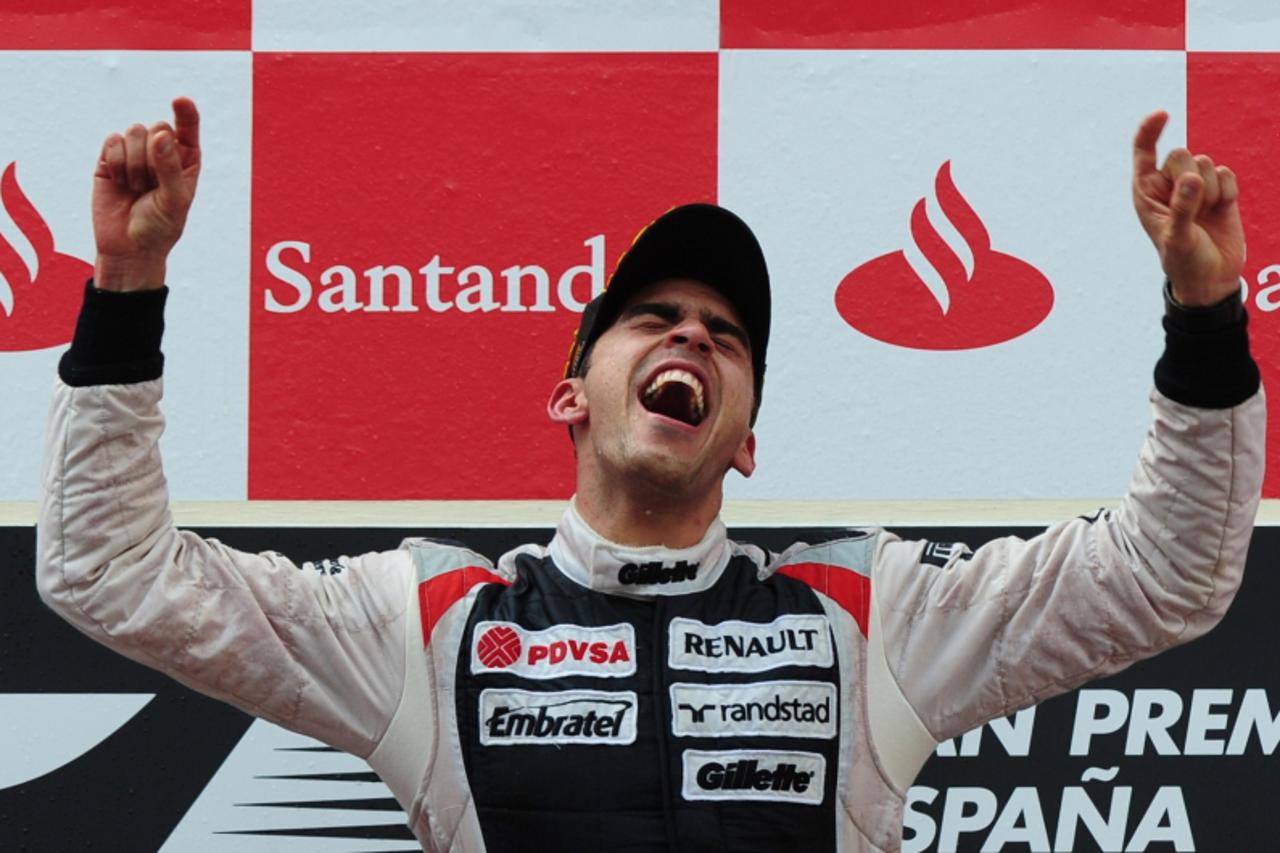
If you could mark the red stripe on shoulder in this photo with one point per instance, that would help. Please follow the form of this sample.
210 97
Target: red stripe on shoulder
437 595
849 589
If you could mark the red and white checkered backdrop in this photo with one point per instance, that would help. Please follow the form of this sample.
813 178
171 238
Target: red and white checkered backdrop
405 204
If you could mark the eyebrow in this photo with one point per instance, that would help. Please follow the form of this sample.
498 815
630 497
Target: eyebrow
672 313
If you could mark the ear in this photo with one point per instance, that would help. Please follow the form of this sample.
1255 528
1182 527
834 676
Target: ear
568 403
744 460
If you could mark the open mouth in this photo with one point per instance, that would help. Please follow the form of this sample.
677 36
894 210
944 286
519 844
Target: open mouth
676 394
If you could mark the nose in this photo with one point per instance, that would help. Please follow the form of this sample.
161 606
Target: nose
692 334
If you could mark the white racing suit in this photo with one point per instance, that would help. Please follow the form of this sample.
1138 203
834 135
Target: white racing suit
588 696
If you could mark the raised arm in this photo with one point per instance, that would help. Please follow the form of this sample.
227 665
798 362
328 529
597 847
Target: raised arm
1019 620
320 649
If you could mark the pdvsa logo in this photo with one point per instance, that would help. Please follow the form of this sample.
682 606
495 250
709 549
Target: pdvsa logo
39 297
504 647
945 294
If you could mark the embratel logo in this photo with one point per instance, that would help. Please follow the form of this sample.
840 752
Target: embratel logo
522 717
657 572
789 777
771 708
736 646
962 295
504 647
38 301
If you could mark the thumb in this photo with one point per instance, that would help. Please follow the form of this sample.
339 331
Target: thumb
1188 193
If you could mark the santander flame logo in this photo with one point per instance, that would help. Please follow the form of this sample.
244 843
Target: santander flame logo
953 303
38 304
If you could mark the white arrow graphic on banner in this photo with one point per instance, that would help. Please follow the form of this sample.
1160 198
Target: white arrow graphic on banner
44 731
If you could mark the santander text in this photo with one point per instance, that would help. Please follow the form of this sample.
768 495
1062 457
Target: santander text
393 288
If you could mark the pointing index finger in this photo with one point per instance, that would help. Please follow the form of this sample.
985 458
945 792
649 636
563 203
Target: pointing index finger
186 120
1144 142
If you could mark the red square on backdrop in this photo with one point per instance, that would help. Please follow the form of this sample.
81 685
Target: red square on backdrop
1231 116
953 25
125 25
426 229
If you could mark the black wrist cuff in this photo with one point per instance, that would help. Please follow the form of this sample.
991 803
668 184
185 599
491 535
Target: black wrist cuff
1203 318
1206 361
117 339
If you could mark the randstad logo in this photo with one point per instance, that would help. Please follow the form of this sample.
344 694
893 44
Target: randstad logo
436 286
39 292
945 294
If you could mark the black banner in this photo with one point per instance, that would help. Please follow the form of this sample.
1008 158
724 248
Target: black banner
1175 753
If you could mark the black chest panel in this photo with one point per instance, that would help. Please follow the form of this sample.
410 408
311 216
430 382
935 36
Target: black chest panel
588 721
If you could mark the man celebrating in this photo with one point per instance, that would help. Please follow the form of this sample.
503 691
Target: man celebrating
644 683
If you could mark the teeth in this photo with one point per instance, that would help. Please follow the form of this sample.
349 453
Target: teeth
684 377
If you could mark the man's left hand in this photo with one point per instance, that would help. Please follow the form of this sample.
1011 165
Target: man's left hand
1189 209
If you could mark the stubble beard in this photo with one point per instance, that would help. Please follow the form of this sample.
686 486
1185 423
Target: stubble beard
654 475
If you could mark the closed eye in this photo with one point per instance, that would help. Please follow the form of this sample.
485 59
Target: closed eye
651 326
728 335
652 315
729 345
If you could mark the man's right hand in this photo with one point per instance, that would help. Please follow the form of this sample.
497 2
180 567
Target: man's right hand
142 191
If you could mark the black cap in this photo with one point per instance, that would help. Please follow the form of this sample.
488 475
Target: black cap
698 241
